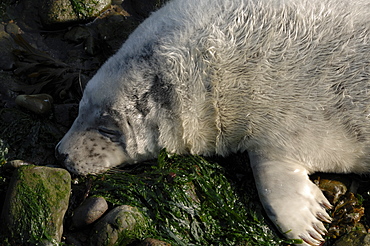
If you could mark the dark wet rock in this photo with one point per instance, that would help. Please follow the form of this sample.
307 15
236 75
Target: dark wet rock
12 28
65 114
77 34
354 238
89 211
39 103
7 81
114 29
29 136
120 226
153 242
90 46
66 11
6 46
35 204
74 240
142 9
117 2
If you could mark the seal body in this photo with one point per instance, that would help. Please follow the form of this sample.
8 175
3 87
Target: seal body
285 80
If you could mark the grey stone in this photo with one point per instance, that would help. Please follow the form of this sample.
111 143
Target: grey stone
120 226
89 211
35 204
39 103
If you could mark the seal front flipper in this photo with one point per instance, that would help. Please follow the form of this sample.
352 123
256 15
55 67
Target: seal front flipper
291 200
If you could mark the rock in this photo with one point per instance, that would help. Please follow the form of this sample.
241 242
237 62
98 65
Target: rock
12 28
65 114
35 204
54 12
144 8
39 104
6 47
354 238
89 211
15 164
7 82
114 29
120 226
117 2
90 46
77 34
153 242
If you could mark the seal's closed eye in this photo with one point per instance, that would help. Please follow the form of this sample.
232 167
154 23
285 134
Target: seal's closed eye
113 135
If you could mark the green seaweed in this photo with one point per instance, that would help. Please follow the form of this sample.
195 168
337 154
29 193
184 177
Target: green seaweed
3 152
137 224
189 201
31 208
84 9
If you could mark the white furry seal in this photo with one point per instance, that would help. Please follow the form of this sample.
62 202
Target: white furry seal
286 80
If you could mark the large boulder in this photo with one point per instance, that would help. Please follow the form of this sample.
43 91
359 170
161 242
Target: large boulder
66 11
35 204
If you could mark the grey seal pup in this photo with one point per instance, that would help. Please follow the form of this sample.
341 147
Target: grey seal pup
285 80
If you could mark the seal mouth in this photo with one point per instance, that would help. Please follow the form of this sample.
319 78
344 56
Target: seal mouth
62 160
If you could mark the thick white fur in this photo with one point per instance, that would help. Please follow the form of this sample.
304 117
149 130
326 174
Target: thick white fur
286 80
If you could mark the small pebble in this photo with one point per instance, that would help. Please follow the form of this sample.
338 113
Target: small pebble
39 103
15 164
12 28
89 211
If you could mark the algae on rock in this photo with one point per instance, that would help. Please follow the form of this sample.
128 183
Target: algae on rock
190 201
61 11
120 226
36 202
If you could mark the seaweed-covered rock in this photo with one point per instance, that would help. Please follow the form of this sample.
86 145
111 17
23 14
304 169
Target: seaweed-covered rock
120 226
66 11
153 242
190 201
35 204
